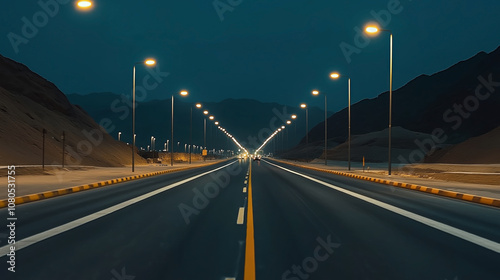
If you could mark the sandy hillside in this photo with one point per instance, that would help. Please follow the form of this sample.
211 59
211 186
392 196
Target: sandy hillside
374 146
484 149
29 104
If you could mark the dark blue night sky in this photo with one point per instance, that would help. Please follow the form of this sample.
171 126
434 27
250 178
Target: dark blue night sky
272 51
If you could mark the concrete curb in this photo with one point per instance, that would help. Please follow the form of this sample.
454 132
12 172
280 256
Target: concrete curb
49 194
451 194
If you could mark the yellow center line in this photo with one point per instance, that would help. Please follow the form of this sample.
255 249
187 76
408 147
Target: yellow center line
250 242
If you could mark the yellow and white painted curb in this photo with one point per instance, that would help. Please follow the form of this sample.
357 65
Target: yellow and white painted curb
451 194
64 191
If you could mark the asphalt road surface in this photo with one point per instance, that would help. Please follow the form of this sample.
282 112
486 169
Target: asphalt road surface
270 221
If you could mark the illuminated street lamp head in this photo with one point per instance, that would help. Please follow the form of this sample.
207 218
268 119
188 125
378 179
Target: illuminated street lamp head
288 122
372 29
198 105
205 112
294 117
84 5
150 62
184 93
315 92
211 117
279 129
303 105
216 123
334 75
282 127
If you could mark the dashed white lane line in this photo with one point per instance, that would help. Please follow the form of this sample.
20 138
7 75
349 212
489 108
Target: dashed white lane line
245 182
245 189
21 244
467 236
241 216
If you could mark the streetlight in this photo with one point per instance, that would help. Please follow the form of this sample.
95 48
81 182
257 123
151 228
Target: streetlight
198 105
205 130
84 5
335 76
294 117
315 92
147 62
211 129
304 106
119 135
182 93
374 30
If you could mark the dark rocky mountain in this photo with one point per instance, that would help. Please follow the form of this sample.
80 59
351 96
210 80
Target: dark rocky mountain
28 104
250 121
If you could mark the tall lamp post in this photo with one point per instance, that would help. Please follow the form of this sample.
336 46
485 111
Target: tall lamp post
215 135
374 30
315 92
147 62
182 93
336 76
211 134
198 105
304 106
294 117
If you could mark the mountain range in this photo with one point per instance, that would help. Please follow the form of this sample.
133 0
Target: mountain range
249 121
457 103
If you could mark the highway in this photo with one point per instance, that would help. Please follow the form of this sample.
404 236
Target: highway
302 224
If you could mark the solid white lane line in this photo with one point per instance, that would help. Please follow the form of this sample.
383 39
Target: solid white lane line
478 240
245 189
21 244
241 216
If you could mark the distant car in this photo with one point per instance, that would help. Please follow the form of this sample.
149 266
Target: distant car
256 158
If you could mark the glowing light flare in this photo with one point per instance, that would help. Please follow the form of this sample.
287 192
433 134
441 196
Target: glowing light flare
84 5
303 105
334 75
372 28
294 117
150 62
315 92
